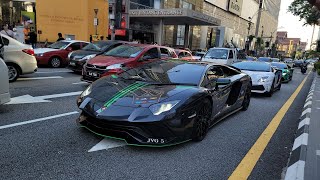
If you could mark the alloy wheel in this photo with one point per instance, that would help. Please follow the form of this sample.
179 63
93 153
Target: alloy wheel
13 73
55 62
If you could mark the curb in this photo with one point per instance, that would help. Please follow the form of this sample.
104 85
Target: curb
297 159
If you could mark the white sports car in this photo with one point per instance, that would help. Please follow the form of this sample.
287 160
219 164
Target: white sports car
265 78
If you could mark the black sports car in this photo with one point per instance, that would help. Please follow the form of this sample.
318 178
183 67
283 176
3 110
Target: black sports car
78 58
163 102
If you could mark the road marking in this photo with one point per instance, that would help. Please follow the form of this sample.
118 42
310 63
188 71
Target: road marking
38 120
27 99
81 83
308 110
306 121
39 78
295 171
106 144
307 104
301 140
247 164
43 72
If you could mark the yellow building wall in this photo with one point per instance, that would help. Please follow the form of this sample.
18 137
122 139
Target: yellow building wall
72 17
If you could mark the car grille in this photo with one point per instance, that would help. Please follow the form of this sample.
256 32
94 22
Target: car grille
258 88
102 68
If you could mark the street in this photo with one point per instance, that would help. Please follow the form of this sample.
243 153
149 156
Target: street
41 140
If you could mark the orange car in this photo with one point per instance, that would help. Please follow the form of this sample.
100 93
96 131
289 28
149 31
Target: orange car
186 55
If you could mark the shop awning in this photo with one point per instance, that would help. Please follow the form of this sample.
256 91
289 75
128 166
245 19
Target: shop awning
173 17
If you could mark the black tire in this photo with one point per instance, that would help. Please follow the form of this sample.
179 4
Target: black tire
279 86
202 122
55 62
246 100
13 72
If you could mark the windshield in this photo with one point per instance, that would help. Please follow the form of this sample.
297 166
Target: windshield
96 46
169 72
250 58
280 65
275 60
217 54
58 45
251 66
126 51
264 59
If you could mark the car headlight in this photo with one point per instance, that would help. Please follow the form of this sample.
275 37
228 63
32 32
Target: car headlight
40 55
86 92
88 57
157 109
114 66
264 79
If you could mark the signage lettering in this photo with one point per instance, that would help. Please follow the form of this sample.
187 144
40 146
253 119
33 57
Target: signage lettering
157 12
235 6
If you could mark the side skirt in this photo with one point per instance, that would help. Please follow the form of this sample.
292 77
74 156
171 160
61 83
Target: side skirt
225 116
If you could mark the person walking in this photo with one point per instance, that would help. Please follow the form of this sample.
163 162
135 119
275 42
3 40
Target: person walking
7 31
33 39
26 32
60 38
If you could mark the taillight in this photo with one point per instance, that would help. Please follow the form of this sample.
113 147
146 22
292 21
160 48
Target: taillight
29 51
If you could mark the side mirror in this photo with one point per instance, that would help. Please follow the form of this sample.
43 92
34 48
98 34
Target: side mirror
69 48
222 82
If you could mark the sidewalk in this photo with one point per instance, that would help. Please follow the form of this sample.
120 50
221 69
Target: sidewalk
304 162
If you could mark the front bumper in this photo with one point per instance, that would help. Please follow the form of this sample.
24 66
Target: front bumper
285 78
42 60
154 134
76 66
261 87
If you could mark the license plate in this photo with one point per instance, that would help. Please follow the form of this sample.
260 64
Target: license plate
72 63
93 74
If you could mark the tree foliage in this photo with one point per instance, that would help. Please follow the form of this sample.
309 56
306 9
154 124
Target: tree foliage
303 9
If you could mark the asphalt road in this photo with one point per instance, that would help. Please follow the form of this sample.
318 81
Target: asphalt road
56 148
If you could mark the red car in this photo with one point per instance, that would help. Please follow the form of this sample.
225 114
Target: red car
186 55
56 54
129 56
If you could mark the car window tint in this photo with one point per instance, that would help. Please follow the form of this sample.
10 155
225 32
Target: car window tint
75 46
181 55
230 55
5 41
84 45
152 53
165 53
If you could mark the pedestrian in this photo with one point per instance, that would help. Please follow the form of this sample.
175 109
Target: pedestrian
90 39
101 38
15 34
60 38
7 31
33 39
26 32
45 44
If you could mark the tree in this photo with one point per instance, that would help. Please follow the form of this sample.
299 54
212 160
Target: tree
303 9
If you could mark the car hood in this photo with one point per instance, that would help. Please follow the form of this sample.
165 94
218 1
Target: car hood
218 61
44 50
77 55
108 60
257 75
121 96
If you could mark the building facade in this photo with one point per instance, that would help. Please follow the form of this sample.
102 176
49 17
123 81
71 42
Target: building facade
289 47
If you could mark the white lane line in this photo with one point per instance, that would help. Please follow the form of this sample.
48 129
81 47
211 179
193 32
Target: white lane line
81 83
301 140
42 72
37 120
106 144
306 121
295 171
40 78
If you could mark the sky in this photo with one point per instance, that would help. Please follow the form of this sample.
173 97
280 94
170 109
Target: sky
293 26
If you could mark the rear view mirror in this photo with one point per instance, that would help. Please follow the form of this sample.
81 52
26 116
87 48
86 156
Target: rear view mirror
69 48
222 82
145 58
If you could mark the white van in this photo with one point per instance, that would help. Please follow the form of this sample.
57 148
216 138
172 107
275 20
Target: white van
222 56
4 79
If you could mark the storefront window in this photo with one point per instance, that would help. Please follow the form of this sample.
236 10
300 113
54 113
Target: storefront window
186 5
180 34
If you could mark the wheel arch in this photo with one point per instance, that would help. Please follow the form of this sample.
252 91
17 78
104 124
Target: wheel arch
15 65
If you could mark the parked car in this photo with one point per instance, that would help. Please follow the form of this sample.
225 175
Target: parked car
56 54
223 56
297 63
186 55
18 57
4 79
275 60
265 78
163 103
124 56
78 58
287 71
265 59
288 61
